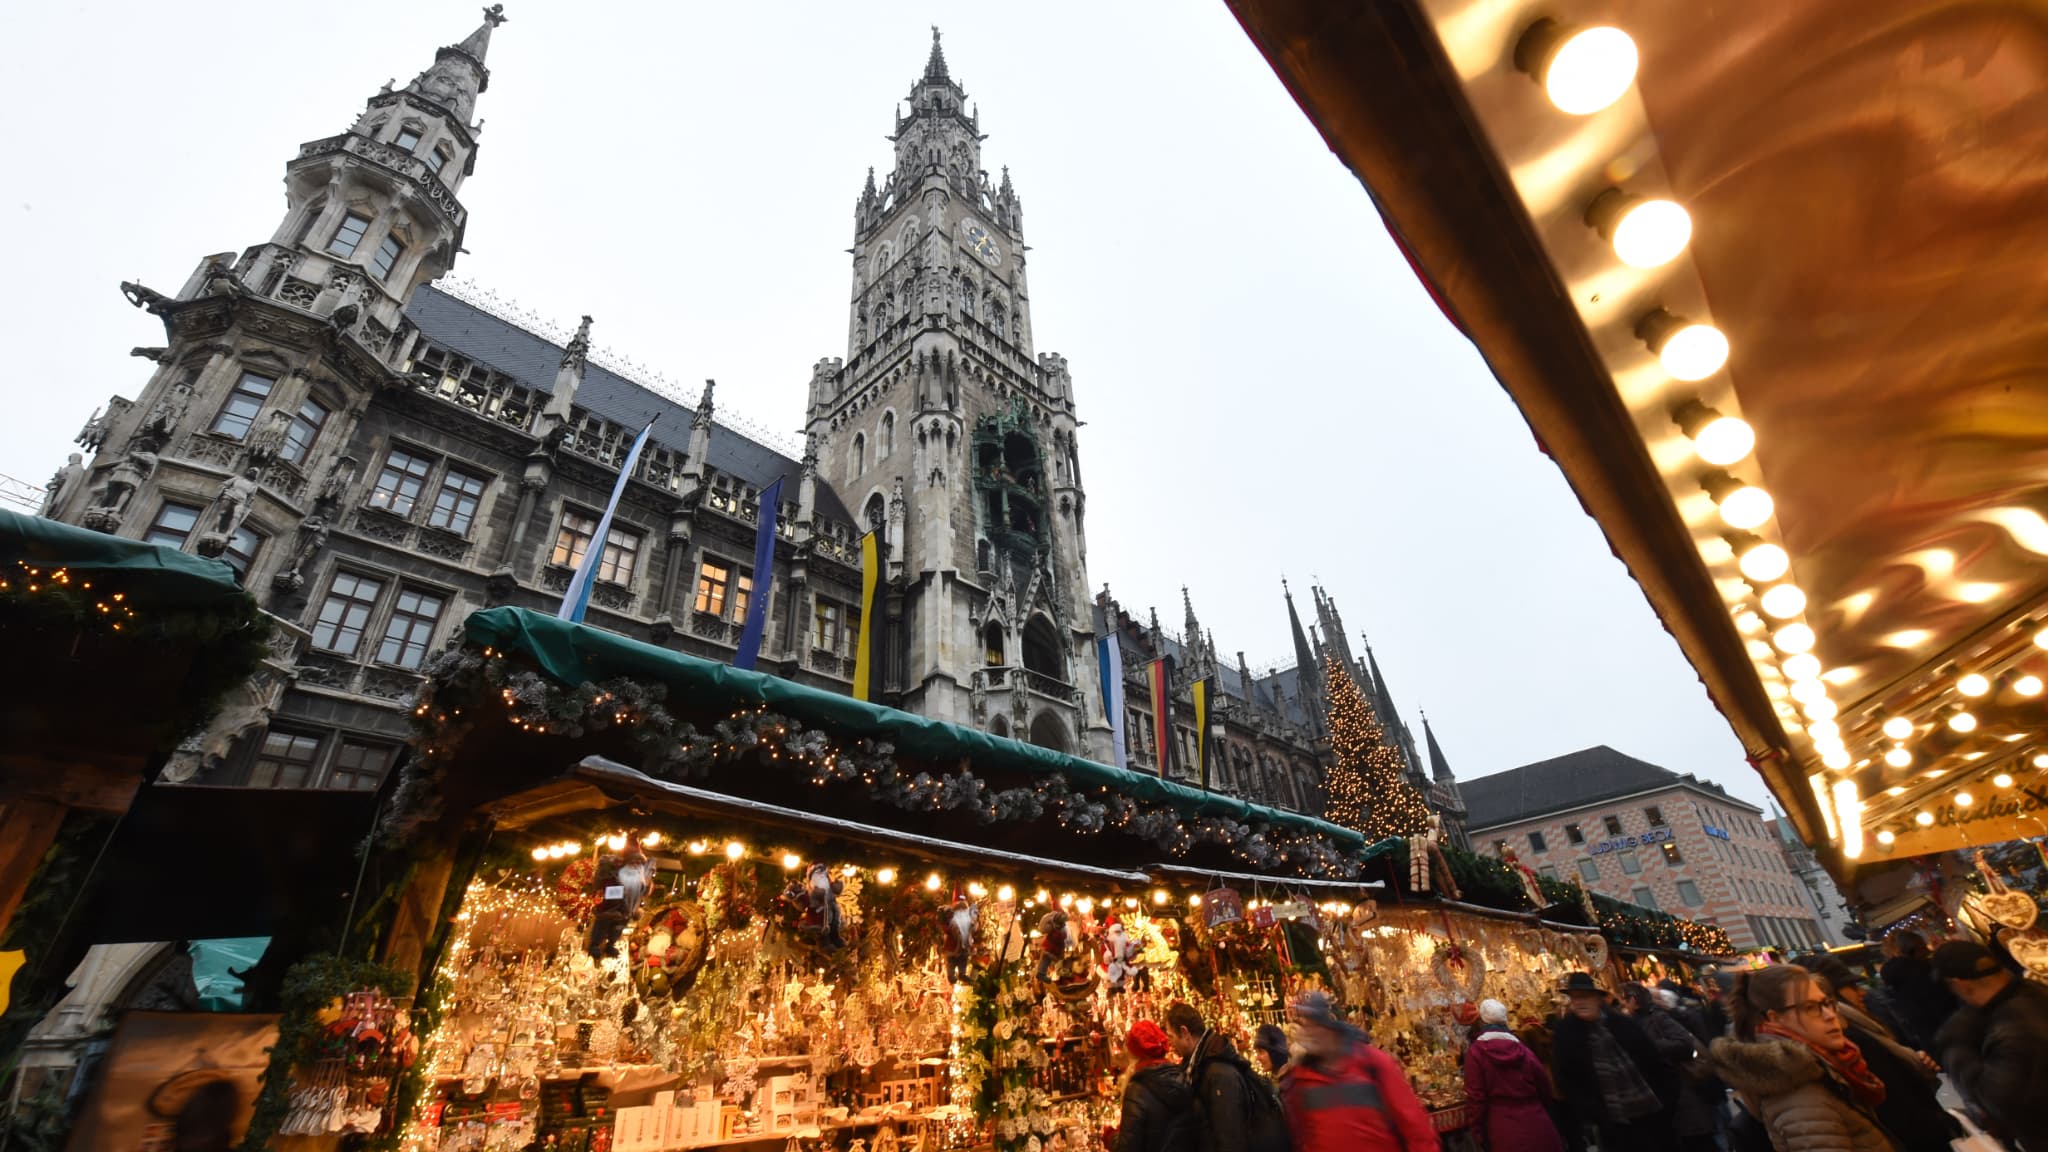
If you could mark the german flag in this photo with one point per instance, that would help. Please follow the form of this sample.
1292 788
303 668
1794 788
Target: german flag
1159 685
866 648
1200 692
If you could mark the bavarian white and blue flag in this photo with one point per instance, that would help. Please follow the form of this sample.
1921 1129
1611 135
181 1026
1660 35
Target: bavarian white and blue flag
576 600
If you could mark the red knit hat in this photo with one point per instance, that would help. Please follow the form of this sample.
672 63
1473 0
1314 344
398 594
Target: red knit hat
1147 1041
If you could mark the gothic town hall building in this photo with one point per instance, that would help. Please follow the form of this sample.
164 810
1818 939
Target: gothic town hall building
376 457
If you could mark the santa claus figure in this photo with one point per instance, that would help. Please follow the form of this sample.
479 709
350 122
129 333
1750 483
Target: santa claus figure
960 923
1120 959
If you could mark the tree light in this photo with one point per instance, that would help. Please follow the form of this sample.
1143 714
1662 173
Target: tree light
1898 728
734 850
1783 601
1974 684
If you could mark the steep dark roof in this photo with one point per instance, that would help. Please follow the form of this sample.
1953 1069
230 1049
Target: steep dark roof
533 360
1570 781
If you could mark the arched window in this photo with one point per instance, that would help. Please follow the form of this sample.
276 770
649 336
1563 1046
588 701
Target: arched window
992 643
984 557
999 727
877 513
1042 649
886 443
1048 732
857 462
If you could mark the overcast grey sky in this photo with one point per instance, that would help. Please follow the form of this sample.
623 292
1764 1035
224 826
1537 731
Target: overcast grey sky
1266 389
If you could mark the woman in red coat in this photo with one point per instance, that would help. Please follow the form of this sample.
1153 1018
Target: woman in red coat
1507 1091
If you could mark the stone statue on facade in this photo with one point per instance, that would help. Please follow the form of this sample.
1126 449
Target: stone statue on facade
231 508
269 443
336 485
145 297
169 410
130 473
220 280
95 431
63 483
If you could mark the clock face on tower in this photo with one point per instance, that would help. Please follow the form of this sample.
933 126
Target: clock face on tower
975 234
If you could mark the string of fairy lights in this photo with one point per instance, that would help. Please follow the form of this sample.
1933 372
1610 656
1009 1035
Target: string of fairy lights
32 582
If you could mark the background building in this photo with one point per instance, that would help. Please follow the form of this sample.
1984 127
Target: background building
1827 899
1648 835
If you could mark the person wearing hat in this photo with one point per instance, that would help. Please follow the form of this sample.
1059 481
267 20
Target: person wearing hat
1270 1044
1909 976
1157 1114
1909 1113
1996 1046
1343 1094
1507 1089
1610 1072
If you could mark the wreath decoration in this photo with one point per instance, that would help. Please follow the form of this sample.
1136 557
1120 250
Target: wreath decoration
670 944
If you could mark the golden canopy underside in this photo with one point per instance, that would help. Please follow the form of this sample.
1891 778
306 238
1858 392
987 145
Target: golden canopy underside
1868 181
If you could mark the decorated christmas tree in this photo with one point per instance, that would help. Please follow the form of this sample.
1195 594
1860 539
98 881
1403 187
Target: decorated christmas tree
1366 788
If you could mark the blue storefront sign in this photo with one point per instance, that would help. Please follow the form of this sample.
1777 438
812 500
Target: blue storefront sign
1653 836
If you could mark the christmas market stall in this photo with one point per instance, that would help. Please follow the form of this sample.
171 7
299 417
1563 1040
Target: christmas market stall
658 903
1806 417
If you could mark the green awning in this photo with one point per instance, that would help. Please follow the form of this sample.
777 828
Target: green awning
154 575
573 654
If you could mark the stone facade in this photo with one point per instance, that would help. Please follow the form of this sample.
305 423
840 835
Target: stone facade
378 456
1681 847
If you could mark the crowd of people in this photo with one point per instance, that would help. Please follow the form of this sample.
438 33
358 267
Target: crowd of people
1805 1057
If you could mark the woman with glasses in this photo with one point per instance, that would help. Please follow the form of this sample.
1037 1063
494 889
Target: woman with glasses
1794 1069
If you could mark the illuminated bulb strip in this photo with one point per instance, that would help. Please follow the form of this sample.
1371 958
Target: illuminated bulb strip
1849 811
1827 805
1898 728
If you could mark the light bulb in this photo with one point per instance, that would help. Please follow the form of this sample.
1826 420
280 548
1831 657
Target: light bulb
651 840
1651 232
699 847
2001 781
1159 895
790 861
1793 639
1886 836
1783 601
2028 685
885 875
1821 709
1693 352
1195 901
616 841
1898 757
1042 896
1066 899
932 882
1898 728
1746 507
1724 440
556 852
1923 819
1803 666
1130 901
1084 906
1764 562
1964 799
2041 760
1974 684
1590 70
1807 691
1836 757
1006 894
540 853
1963 722
976 890
1824 732
2041 638
734 850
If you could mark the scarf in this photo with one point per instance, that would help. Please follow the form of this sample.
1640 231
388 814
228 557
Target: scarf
1624 1095
1847 1063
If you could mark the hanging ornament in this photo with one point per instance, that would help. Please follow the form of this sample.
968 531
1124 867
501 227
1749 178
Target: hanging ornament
1222 906
2015 910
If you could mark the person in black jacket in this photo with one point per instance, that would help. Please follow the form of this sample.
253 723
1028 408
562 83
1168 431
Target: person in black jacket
1612 1074
1158 1113
1996 1047
1236 1107
1923 1002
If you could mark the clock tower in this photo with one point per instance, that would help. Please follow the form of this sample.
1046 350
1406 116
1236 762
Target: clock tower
943 429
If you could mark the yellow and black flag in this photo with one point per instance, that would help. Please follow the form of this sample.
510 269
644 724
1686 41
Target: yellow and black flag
864 652
1199 691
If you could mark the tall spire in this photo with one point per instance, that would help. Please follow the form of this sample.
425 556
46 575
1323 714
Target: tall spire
935 66
1439 766
458 74
568 378
1304 658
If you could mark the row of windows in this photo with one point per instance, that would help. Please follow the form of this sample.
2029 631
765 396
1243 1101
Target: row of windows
1783 933
352 601
245 402
176 523
1611 823
1672 856
722 586
404 478
290 758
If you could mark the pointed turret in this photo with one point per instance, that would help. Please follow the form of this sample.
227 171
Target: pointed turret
1439 766
568 378
935 64
458 75
1390 717
1304 657
1308 676
1192 628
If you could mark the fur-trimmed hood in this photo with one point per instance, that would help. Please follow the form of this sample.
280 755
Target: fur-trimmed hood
1765 1066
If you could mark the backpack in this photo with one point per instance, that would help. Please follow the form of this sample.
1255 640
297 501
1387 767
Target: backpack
1265 1124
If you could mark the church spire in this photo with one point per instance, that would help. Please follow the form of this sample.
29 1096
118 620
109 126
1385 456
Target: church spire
935 66
458 75
1439 766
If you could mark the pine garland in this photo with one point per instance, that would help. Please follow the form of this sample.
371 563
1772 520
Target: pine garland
1367 789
